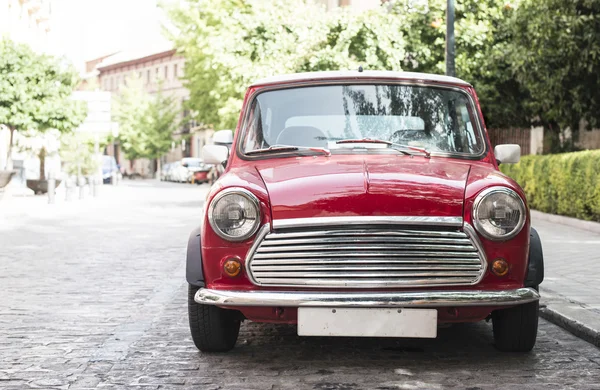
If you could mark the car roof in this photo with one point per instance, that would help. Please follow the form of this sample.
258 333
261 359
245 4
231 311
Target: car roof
356 75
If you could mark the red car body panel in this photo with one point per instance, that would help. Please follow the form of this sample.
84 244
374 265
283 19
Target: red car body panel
364 185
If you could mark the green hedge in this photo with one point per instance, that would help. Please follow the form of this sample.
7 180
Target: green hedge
565 184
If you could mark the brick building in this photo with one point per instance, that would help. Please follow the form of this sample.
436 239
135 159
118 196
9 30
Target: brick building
153 68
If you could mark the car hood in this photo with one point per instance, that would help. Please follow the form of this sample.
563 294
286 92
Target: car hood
373 185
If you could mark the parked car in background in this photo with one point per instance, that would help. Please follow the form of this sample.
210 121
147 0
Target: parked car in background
110 169
363 204
164 171
197 171
176 172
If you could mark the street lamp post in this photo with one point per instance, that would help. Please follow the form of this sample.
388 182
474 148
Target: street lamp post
450 68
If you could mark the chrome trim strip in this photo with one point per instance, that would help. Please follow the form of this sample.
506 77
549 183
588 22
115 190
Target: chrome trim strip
370 233
366 299
475 238
366 220
264 230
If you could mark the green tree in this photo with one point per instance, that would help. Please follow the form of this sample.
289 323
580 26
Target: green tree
482 34
555 54
78 152
35 94
230 44
147 123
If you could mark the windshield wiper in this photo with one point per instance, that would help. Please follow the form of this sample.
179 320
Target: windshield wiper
288 148
400 148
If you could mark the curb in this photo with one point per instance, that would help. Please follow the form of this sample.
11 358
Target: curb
567 221
574 317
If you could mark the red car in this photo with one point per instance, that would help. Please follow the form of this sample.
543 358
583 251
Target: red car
363 204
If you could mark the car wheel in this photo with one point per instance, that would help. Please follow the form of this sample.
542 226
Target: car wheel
213 329
515 328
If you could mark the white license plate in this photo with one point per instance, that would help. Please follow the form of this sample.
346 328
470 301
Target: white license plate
367 322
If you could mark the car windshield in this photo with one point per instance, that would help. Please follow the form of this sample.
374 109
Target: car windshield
437 119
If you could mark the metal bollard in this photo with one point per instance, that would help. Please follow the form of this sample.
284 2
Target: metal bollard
68 188
81 184
92 188
95 186
51 188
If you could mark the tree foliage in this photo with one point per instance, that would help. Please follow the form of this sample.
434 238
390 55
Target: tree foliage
230 44
77 151
482 33
35 92
530 60
147 123
555 54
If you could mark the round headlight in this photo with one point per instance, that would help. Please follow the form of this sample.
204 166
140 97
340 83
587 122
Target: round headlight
499 213
234 214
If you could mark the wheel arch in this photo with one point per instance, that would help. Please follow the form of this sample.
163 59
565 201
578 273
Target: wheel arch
535 266
193 269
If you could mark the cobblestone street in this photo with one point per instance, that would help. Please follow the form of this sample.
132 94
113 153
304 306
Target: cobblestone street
95 297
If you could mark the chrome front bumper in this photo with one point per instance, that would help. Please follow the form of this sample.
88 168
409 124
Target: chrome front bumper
366 299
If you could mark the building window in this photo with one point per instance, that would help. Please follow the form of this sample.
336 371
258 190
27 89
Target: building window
112 83
166 72
175 71
148 76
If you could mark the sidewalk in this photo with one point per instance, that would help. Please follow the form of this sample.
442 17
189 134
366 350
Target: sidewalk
19 202
571 288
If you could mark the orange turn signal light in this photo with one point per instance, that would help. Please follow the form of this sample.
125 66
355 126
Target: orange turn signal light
500 267
232 267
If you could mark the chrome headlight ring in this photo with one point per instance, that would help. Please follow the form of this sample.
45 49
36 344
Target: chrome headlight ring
484 223
247 208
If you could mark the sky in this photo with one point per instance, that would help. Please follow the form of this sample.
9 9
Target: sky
86 29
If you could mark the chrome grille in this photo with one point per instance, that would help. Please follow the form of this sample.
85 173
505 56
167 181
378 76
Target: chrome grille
366 257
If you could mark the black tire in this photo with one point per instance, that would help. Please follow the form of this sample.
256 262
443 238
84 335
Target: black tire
213 329
515 329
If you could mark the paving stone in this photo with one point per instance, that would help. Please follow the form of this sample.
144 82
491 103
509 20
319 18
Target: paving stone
95 297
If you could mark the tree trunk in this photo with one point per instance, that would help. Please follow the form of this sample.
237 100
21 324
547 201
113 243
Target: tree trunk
8 163
42 157
552 143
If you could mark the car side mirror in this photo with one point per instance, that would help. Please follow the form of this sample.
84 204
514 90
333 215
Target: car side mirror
214 154
223 137
185 165
508 153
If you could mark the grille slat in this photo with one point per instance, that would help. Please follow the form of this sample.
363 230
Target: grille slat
368 239
365 267
359 274
365 283
343 262
373 256
379 247
354 254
